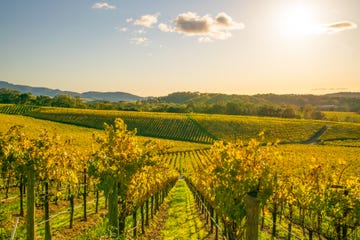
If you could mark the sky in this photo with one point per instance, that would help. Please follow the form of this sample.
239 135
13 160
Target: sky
156 47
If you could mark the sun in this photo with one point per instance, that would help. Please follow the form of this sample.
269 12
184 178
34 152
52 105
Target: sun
298 20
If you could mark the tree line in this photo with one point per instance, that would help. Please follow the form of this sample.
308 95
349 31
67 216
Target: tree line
271 105
9 96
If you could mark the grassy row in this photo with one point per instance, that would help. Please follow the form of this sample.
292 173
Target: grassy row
183 221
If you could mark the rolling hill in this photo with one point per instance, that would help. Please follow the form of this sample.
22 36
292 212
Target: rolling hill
90 96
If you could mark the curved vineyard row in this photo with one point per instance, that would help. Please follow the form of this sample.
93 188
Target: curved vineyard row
161 125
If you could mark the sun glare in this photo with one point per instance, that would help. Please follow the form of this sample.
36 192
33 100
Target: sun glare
297 20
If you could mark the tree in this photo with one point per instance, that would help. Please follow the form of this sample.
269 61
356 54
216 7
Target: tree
64 100
9 96
269 110
317 115
307 111
233 108
43 100
79 103
216 109
289 112
25 98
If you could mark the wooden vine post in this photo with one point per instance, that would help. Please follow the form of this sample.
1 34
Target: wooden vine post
113 209
84 194
30 204
252 216
47 213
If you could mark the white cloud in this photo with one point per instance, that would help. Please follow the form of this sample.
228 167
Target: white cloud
205 26
191 24
224 21
103 5
337 27
165 28
139 41
147 20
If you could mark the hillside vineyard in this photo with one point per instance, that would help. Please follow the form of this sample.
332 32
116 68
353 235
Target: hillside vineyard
292 190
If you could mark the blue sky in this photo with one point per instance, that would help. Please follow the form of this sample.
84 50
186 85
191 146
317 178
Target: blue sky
155 47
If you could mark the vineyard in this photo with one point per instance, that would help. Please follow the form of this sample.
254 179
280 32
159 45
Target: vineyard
201 128
49 171
241 128
60 179
160 125
80 136
299 192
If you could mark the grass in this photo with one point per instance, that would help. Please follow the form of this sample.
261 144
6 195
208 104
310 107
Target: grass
60 216
183 221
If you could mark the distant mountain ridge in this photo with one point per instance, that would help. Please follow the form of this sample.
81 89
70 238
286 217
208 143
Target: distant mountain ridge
91 95
322 101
